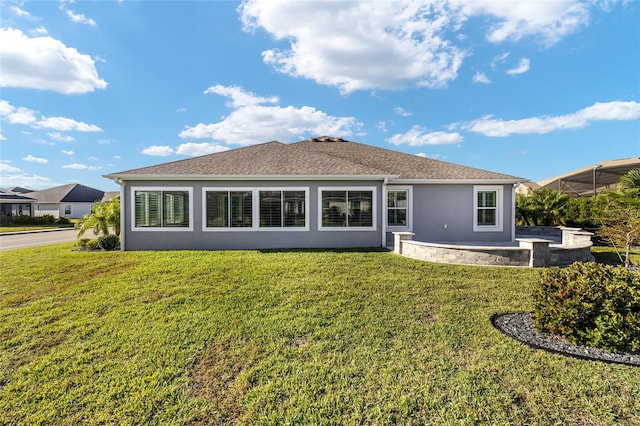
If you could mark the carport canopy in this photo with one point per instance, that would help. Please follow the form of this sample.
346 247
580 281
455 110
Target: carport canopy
593 179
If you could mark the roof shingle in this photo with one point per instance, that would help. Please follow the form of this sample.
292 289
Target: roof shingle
313 157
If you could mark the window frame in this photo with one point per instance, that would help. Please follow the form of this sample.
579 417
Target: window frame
162 227
67 207
374 208
255 214
227 189
409 225
499 190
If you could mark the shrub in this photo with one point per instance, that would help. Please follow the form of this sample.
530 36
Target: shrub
93 244
83 242
63 220
108 242
590 304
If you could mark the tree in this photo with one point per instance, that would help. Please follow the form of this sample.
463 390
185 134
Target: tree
630 180
104 216
620 220
543 207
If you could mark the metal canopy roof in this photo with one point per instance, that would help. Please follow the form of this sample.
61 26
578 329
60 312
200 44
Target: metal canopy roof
593 179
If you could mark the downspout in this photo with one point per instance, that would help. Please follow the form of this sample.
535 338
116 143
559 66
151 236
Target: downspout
122 214
384 212
513 211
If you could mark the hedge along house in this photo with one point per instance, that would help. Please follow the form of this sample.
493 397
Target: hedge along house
317 193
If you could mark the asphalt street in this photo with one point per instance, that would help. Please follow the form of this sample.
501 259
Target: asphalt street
32 239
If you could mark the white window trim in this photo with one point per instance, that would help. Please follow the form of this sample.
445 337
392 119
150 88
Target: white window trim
374 207
255 201
499 208
132 197
206 228
385 209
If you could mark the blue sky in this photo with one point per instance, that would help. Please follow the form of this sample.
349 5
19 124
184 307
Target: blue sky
533 89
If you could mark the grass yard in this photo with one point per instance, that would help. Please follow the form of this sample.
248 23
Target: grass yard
19 228
302 337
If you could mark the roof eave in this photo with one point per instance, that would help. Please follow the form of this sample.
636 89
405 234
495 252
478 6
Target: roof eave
153 177
497 181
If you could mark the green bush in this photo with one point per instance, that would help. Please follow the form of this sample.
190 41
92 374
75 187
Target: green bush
63 220
83 242
33 220
93 244
590 304
108 242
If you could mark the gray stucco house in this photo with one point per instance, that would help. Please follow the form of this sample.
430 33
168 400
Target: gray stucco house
318 193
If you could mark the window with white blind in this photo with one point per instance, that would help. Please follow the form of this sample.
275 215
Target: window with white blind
347 208
228 209
161 209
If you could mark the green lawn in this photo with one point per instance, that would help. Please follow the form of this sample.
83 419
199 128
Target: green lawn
249 337
610 254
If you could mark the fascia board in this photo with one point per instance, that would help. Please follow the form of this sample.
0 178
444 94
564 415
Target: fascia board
130 177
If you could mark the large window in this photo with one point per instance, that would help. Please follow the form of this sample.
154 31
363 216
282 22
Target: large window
487 208
347 208
398 208
161 208
255 209
229 209
282 209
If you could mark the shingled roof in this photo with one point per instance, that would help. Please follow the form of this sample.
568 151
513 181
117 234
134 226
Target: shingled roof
70 193
317 157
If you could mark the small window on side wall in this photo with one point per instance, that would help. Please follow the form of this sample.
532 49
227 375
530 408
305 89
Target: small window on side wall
487 208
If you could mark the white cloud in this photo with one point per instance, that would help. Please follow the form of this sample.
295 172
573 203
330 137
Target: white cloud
480 77
33 159
20 12
60 137
183 109
417 136
25 180
549 21
6 168
158 150
117 157
382 125
45 63
523 66
2 138
360 45
64 124
92 158
368 45
433 156
601 111
40 31
402 112
498 59
80 18
19 115
192 149
65 152
252 123
77 166
239 97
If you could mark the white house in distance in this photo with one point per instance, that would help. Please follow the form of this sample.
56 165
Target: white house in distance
318 193
72 200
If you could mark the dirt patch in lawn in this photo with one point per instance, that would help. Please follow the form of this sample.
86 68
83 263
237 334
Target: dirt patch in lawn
222 377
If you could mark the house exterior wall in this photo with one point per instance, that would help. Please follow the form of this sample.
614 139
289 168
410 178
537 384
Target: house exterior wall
78 210
445 213
58 209
43 209
199 239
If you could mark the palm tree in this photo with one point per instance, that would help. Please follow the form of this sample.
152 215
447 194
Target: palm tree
549 206
104 216
630 180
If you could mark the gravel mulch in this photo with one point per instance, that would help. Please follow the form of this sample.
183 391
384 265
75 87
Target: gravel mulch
520 327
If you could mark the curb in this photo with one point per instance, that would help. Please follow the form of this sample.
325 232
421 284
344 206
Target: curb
36 231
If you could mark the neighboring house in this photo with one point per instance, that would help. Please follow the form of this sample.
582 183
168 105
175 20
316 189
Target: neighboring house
14 204
322 192
72 200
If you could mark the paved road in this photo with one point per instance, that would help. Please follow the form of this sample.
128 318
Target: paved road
8 242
